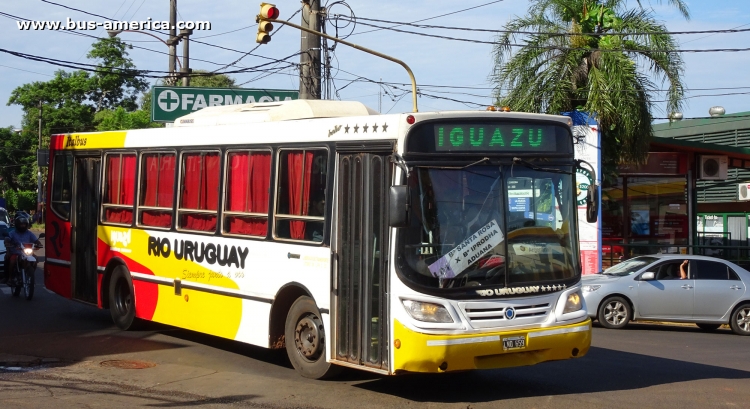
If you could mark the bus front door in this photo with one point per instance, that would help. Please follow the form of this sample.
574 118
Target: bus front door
360 285
83 234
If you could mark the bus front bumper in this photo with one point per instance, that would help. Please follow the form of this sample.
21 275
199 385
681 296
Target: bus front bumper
418 352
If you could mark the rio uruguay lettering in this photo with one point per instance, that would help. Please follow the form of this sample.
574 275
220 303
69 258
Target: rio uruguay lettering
193 251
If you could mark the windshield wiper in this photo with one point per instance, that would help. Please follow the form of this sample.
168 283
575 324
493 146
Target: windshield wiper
519 161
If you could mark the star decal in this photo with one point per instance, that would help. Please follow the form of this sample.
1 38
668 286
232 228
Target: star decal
364 128
385 127
346 128
356 128
374 128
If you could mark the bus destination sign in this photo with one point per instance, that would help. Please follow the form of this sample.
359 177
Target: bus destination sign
495 137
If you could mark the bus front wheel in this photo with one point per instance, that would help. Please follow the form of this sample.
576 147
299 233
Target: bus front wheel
121 299
305 340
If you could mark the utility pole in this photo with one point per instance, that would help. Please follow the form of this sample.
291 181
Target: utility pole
380 95
184 34
172 42
39 169
309 84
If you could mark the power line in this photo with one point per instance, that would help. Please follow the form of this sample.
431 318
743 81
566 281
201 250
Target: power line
485 30
161 32
552 47
19 69
128 72
434 17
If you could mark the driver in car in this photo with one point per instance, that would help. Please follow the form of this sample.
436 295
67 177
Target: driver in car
14 245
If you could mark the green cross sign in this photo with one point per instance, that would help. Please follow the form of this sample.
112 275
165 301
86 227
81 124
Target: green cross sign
170 103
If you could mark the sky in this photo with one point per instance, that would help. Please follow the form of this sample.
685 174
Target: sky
450 74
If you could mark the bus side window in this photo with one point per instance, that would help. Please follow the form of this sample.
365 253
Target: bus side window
157 189
199 194
247 189
301 202
62 181
119 188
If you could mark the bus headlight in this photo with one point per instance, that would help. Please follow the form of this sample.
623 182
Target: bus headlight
573 303
427 312
590 288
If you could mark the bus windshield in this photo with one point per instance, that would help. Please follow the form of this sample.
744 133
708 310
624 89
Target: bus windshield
489 226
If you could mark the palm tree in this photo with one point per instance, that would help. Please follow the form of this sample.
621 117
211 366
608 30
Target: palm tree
592 56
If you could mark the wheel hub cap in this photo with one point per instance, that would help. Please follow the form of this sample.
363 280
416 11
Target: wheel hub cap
308 337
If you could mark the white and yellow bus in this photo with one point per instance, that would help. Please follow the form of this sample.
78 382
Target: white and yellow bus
422 242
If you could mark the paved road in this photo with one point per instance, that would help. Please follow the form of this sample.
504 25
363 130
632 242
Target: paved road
71 347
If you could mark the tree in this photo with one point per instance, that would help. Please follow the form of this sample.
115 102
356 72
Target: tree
70 102
17 160
590 55
116 81
113 120
211 81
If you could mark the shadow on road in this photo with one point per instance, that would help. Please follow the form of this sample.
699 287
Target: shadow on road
602 370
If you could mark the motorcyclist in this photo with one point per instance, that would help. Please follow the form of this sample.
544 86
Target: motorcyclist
14 244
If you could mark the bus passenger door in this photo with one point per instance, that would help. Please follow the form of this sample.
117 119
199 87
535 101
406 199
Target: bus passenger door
83 234
360 285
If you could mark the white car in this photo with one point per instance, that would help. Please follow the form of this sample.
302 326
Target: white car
651 288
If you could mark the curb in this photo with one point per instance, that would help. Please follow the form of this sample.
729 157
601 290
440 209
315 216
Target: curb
24 361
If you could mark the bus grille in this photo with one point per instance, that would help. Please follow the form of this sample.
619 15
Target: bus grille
492 314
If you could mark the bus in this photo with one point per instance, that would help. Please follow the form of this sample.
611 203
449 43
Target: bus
414 242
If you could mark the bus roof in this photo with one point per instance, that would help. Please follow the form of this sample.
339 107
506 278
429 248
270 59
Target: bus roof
274 111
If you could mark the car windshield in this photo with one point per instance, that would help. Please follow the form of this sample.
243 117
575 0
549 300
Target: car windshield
489 226
629 267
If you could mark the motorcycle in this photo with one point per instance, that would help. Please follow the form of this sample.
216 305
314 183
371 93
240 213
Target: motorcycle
22 276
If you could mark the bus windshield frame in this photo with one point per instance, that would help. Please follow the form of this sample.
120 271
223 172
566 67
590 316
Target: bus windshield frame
491 225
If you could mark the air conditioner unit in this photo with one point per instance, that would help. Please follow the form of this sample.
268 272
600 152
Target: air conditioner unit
743 191
713 167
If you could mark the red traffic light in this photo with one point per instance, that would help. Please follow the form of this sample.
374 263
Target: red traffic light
269 11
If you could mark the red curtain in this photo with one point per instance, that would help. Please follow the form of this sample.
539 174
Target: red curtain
158 189
299 189
200 190
249 181
150 172
120 180
166 181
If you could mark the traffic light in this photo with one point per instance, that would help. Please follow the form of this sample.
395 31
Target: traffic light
267 12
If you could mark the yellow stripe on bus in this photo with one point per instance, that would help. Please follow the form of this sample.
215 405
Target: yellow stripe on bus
95 140
196 310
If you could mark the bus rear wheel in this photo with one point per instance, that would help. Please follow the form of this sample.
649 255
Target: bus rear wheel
121 299
305 340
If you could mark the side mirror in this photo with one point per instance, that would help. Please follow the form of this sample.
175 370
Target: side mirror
398 206
592 204
648 276
41 235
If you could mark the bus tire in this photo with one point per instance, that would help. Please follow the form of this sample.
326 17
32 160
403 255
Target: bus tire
305 340
121 299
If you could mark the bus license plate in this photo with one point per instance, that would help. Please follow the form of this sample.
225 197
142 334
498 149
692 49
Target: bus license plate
514 343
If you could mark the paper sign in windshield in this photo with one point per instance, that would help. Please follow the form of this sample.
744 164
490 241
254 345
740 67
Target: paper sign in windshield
468 252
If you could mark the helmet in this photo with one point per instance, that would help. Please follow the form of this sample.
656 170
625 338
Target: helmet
22 224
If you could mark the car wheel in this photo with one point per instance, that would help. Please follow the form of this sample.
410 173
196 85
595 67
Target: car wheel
306 340
614 313
740 321
708 327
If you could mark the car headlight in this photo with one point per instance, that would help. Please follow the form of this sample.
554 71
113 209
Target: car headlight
573 303
590 288
427 312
